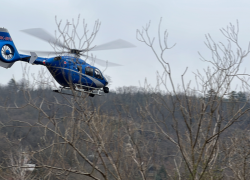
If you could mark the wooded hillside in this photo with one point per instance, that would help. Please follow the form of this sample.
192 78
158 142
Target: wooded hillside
126 134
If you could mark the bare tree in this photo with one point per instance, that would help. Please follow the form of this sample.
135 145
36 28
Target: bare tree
71 38
236 154
197 134
20 167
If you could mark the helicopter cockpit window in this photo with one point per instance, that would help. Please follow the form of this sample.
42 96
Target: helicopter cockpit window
89 71
98 74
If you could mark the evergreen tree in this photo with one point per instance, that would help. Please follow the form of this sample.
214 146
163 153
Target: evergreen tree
233 96
242 96
211 94
12 83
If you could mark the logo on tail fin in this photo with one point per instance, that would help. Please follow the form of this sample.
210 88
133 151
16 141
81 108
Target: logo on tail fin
5 38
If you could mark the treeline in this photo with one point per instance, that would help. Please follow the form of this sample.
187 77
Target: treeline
16 103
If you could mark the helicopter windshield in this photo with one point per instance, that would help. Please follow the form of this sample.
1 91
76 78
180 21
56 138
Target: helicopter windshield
98 74
89 71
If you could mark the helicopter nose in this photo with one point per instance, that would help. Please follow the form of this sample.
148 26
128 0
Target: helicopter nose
106 81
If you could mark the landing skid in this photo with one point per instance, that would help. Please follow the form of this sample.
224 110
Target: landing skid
58 91
91 93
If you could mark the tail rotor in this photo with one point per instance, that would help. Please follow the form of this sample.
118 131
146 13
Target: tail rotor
7 52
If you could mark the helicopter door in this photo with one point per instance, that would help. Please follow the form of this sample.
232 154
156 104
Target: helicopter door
89 71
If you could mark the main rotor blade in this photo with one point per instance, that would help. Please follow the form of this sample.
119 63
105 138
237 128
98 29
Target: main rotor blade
101 62
43 35
44 53
117 44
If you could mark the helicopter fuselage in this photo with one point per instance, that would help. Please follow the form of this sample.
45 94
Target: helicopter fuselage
68 70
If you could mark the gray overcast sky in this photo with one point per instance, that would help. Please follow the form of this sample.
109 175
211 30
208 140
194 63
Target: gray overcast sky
187 22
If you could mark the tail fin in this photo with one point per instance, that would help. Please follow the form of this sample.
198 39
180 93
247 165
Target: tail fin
8 52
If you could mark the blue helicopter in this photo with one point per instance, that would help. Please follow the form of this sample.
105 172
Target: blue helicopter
69 70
